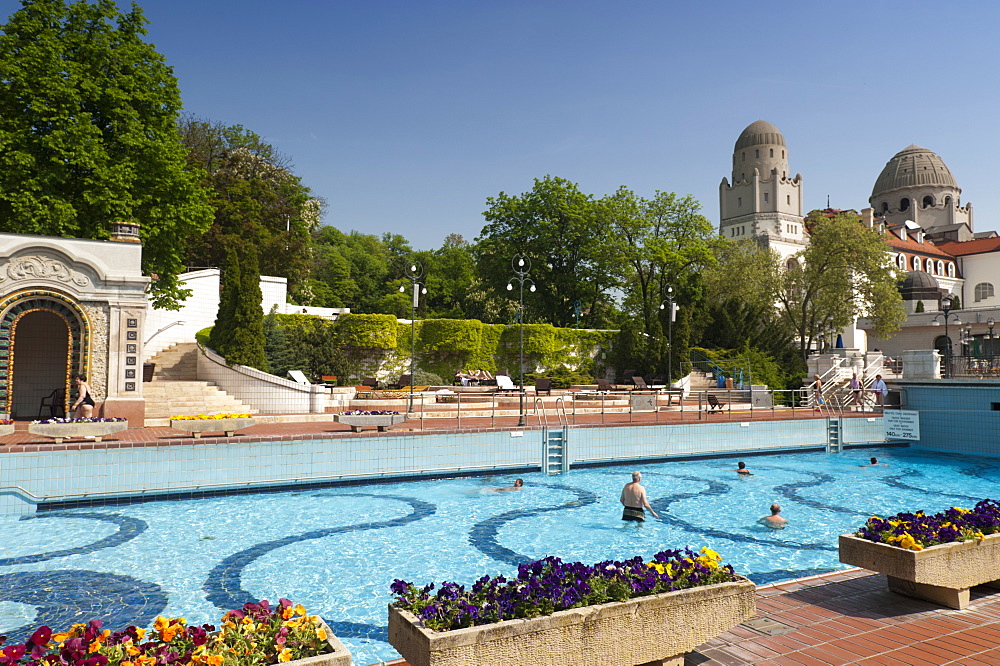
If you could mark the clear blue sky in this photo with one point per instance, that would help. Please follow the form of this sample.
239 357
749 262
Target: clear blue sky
407 114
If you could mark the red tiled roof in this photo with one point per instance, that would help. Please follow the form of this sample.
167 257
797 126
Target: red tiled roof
977 246
913 247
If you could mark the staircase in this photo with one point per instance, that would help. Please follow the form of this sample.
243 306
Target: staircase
180 361
172 397
176 390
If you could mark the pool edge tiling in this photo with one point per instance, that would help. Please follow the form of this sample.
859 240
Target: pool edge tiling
32 475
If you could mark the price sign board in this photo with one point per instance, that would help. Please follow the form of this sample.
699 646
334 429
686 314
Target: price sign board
902 424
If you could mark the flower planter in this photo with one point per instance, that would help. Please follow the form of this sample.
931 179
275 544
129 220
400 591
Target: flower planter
359 421
339 656
659 628
61 431
198 426
942 574
6 429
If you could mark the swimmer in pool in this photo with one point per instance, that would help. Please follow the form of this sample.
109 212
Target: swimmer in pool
741 469
774 521
518 484
874 463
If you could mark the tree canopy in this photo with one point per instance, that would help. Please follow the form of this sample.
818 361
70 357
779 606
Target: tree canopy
88 113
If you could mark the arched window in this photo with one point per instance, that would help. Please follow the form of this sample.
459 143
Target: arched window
904 204
984 290
782 154
901 261
951 269
739 202
792 263
772 152
928 201
947 201
940 267
916 263
756 154
788 199
885 207
744 156
930 266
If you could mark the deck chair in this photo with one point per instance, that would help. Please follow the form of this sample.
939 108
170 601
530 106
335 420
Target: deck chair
403 382
505 383
56 402
370 382
603 385
639 383
627 376
713 403
543 385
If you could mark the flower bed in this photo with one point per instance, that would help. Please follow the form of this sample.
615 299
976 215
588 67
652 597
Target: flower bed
257 635
202 423
93 427
613 613
937 558
6 427
359 419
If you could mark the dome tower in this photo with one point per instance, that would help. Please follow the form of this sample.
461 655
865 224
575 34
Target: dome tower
762 202
917 185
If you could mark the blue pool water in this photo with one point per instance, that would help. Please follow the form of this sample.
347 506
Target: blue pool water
337 550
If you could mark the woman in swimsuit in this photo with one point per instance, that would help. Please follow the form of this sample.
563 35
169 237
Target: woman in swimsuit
84 404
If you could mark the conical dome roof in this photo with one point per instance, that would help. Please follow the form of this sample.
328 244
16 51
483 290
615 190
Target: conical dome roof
913 166
759 133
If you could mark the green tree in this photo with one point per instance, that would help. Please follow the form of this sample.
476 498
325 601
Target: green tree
843 274
256 197
88 114
658 242
238 334
560 229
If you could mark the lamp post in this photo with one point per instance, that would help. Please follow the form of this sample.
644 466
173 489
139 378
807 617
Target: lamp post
989 325
948 317
521 265
416 271
669 301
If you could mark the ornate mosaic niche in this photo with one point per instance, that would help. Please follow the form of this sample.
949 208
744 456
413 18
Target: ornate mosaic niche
18 304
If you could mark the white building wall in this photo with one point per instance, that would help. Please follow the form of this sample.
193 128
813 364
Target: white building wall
167 327
978 269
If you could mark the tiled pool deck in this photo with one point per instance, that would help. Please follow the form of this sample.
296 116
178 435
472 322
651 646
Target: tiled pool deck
846 617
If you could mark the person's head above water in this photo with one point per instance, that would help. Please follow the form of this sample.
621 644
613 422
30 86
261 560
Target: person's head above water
874 461
741 465
775 509
518 483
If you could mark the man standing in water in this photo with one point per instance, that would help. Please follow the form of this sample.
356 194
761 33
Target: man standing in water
774 521
634 499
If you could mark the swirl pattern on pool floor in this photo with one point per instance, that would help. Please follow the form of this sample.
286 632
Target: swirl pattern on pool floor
128 529
64 597
224 585
483 535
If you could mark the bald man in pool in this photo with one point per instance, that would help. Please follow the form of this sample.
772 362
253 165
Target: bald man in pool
634 499
774 521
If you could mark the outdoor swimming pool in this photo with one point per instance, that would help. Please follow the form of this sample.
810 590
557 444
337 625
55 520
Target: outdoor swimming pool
337 550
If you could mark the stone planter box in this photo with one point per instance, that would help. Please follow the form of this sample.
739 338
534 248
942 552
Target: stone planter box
359 421
61 431
340 656
656 629
942 574
198 426
6 429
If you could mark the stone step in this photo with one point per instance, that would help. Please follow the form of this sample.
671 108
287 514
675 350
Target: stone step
171 398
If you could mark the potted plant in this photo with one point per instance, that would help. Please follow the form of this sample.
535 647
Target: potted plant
202 423
6 427
360 418
556 613
256 635
61 428
933 557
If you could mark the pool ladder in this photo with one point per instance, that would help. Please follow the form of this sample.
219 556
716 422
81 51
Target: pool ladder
554 455
833 441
